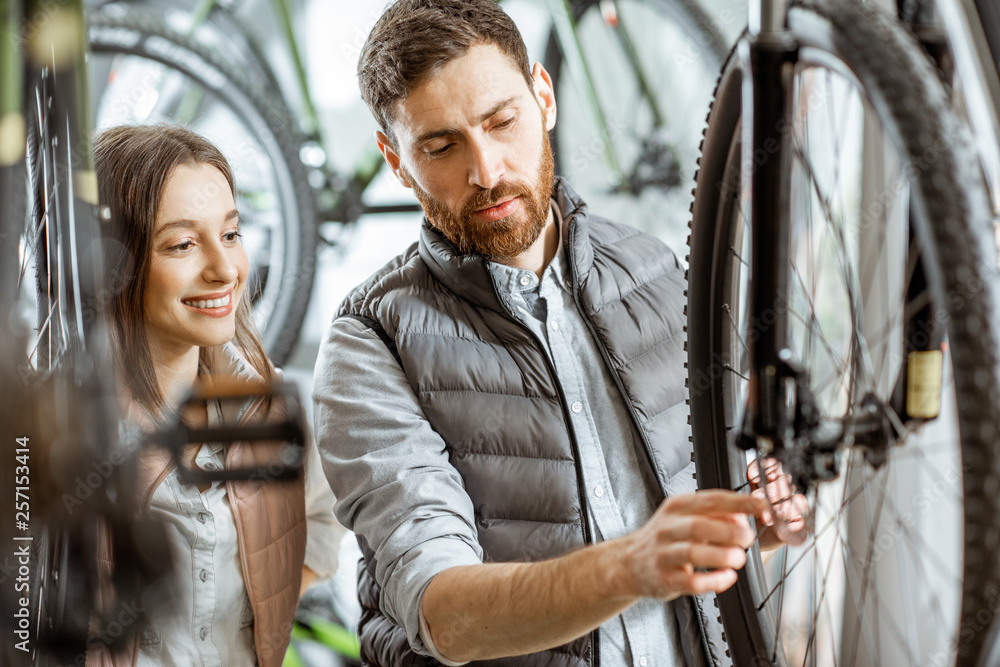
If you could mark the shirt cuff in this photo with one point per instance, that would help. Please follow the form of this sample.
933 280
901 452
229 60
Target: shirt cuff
425 637
406 583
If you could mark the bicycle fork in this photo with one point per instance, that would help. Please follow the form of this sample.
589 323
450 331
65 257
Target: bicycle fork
782 418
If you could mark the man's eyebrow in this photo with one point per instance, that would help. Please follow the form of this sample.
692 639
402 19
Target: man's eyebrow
497 108
187 224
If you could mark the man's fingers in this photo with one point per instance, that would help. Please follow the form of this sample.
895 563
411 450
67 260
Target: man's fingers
714 501
699 555
708 582
766 516
724 531
772 469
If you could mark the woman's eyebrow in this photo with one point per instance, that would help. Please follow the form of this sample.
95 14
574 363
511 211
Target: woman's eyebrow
175 224
187 224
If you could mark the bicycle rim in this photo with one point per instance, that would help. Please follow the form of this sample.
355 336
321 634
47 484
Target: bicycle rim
894 570
680 54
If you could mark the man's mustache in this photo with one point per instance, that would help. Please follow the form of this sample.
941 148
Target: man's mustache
487 198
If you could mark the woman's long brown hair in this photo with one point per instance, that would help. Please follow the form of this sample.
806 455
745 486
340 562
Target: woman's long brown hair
133 163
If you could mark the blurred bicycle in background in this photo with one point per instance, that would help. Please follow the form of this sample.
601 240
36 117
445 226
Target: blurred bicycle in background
633 78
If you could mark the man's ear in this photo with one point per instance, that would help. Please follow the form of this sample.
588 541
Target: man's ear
391 157
545 93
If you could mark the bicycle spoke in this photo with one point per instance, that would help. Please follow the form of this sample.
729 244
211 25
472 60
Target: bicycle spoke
819 605
736 330
781 597
727 367
805 552
852 289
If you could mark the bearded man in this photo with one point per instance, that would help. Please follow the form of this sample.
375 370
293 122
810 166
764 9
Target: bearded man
501 409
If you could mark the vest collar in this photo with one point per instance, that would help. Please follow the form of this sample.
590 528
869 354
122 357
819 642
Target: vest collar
576 239
469 275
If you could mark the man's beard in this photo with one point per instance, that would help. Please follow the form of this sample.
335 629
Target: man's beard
502 239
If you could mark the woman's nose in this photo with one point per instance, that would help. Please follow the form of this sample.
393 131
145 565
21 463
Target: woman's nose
221 264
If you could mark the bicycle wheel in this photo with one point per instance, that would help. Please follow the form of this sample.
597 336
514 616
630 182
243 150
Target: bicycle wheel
142 71
899 567
635 164
58 384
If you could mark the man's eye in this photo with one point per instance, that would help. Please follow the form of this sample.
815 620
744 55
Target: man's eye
506 123
438 152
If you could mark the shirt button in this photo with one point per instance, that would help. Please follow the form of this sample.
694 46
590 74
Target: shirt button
203 634
599 492
555 326
642 660
525 281
576 407
202 517
203 575
209 466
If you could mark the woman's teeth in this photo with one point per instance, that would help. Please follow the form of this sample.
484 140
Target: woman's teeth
211 303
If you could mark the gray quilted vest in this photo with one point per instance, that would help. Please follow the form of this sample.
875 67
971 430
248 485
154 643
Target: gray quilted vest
487 387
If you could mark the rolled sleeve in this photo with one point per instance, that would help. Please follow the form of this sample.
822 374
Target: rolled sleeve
389 471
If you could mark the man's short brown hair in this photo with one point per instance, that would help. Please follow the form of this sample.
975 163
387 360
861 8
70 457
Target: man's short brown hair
415 39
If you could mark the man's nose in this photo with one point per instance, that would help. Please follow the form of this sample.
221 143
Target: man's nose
486 167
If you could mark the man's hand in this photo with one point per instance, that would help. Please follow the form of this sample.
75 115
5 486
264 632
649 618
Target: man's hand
692 544
785 509
480 612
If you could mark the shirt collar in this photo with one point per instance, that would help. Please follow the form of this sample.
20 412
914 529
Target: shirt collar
511 280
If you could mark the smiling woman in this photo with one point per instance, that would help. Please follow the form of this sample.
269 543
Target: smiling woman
180 313
173 237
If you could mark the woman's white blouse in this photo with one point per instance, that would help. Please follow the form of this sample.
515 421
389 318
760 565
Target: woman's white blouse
211 620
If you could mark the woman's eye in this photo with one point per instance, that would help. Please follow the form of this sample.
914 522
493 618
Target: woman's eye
232 236
183 245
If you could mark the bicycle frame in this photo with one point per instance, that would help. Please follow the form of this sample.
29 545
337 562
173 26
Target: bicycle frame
572 50
768 52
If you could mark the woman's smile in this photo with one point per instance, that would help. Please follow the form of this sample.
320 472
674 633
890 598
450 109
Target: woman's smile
211 305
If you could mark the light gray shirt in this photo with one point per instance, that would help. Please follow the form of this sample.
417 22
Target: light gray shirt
395 486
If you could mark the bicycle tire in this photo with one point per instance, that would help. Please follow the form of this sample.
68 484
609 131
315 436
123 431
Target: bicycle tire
682 51
220 31
950 212
264 131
